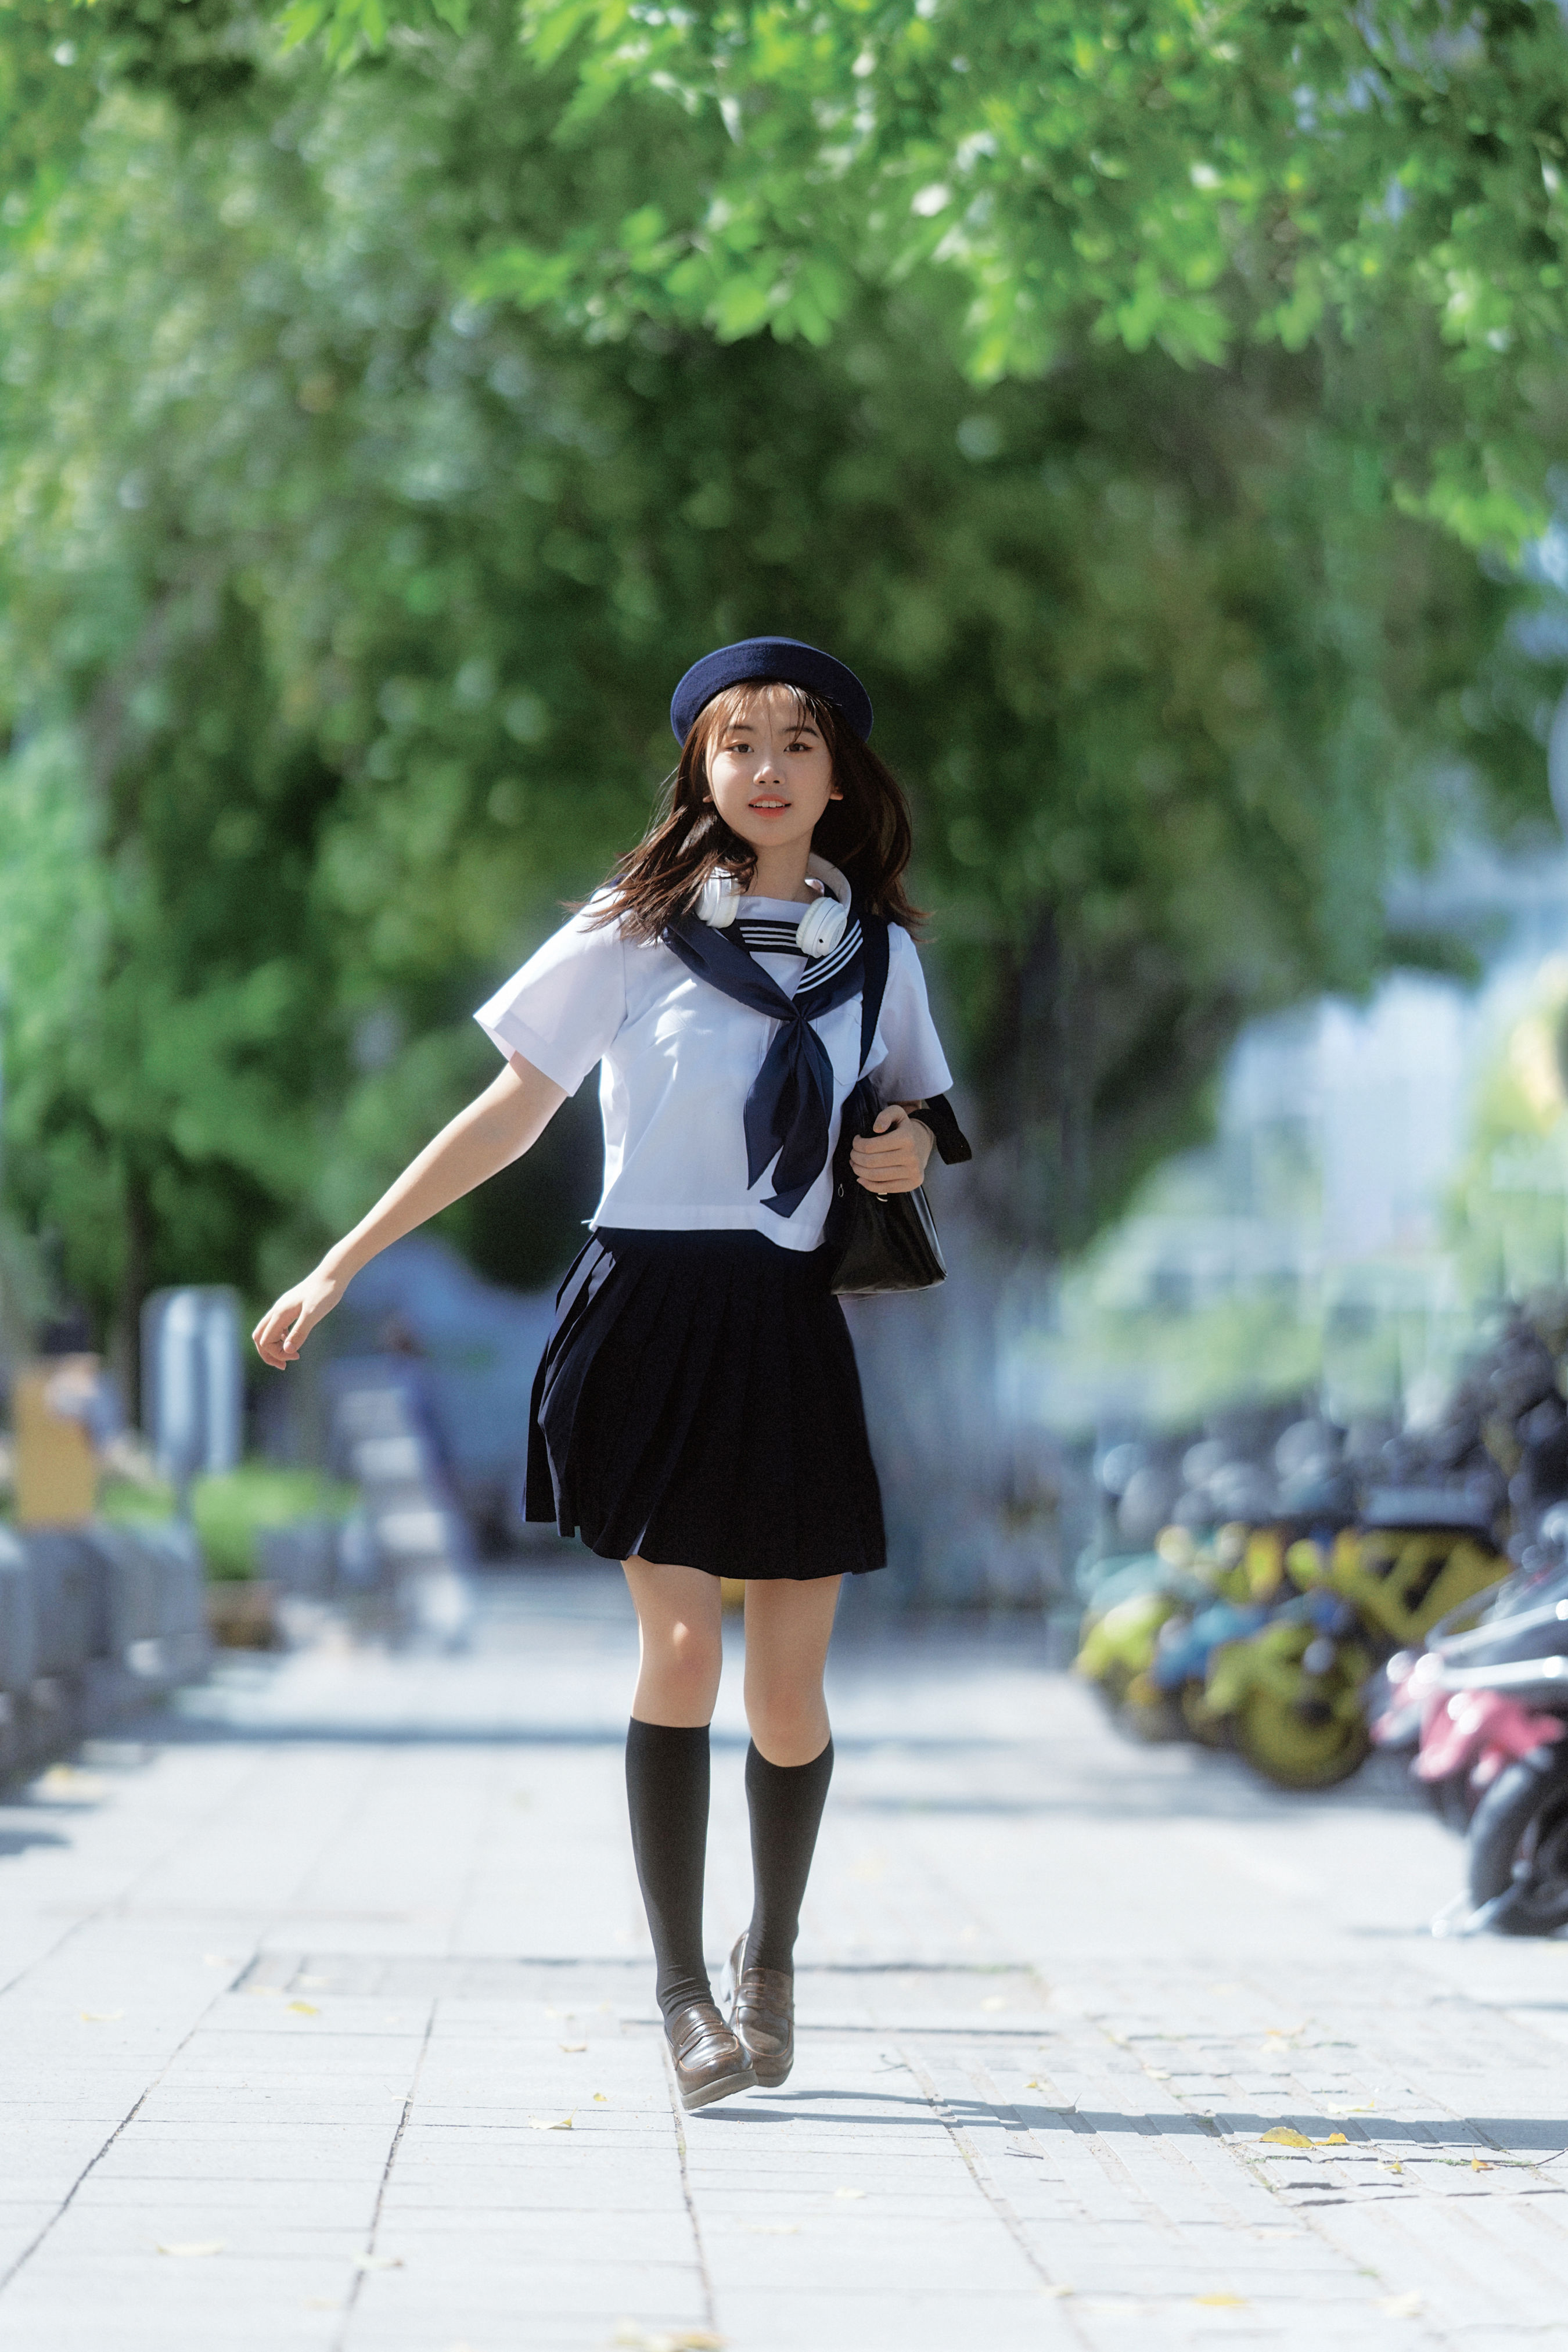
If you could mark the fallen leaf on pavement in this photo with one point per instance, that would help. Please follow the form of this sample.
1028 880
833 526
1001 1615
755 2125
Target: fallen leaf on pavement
1222 2302
67 1781
572 2046
1335 2139
994 2001
191 2250
849 2192
666 2339
1477 2166
101 2016
304 2008
378 2262
1283 2136
600 2100
550 2123
1399 2307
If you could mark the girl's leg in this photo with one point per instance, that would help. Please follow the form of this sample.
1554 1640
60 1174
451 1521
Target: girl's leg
666 1766
790 1761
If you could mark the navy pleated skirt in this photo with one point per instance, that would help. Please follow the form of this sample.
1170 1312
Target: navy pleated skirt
699 1402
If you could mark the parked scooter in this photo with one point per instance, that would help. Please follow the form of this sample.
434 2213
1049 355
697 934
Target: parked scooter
1297 1691
1129 1599
1495 1716
1247 1587
1456 1742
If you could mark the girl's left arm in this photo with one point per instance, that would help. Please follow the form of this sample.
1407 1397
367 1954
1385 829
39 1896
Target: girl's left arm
892 1158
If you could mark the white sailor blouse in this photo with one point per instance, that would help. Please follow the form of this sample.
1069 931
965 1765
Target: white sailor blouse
678 1060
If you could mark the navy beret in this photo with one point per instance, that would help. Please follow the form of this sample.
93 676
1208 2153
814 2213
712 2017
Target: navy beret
784 659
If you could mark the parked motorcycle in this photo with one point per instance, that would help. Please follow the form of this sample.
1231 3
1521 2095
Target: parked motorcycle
1494 1736
1153 1624
1246 1588
1129 1599
1457 1742
1297 1691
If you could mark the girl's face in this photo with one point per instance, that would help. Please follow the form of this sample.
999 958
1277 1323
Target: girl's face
769 773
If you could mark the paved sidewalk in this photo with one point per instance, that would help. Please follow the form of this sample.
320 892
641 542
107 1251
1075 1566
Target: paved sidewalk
327 2022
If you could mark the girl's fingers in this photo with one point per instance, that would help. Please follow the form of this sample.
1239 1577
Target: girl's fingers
274 1340
889 1161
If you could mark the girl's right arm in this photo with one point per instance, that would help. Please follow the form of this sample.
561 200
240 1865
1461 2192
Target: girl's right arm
494 1129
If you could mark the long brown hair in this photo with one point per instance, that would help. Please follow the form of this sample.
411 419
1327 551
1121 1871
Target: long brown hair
866 835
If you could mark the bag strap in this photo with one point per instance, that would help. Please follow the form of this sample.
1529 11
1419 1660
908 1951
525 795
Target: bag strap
875 956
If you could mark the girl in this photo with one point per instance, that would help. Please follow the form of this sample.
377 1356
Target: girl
697 1411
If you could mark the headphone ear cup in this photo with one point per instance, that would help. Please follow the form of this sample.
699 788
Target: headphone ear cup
718 902
822 927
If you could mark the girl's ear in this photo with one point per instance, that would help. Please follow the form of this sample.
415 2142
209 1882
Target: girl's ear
836 792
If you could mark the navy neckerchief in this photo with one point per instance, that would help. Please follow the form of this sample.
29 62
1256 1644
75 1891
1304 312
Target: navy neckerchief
790 1105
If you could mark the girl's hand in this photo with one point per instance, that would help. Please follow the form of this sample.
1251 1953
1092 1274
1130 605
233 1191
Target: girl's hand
285 1328
893 1158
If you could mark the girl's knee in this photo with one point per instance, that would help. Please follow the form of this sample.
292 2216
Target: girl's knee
687 1656
788 1729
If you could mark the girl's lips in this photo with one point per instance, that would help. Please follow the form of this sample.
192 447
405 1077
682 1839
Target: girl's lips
768 808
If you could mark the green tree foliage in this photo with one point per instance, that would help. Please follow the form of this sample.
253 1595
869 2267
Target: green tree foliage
342 601
1148 174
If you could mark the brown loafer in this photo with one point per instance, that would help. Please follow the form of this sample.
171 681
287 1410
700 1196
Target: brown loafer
761 2012
710 2061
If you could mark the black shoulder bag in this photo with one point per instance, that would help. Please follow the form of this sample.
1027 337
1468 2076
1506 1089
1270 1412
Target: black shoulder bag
883 1241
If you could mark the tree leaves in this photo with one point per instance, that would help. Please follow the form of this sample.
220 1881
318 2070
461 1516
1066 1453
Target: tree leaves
376 448
1145 181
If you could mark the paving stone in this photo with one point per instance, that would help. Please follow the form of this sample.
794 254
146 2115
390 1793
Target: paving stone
1052 1992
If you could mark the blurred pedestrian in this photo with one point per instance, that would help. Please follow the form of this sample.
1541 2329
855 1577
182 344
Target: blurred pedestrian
698 1413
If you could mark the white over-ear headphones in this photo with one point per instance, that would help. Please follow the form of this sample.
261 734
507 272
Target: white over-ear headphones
820 929
719 902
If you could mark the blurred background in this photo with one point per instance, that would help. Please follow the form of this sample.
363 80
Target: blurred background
1164 417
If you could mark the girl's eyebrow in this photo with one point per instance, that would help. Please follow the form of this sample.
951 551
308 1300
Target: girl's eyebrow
748 727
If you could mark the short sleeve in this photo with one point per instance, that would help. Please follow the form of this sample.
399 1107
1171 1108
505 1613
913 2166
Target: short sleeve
913 1065
563 1010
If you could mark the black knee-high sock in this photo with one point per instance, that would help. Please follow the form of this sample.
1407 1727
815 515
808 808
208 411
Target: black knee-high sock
667 1795
785 1801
